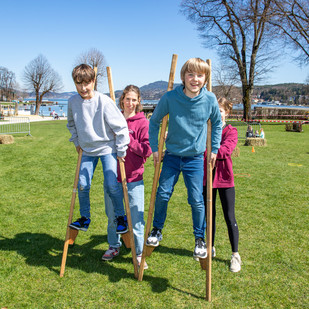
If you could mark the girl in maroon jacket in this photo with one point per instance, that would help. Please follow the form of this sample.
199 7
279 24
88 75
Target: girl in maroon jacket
137 153
223 182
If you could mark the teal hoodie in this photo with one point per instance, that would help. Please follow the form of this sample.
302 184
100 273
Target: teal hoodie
187 126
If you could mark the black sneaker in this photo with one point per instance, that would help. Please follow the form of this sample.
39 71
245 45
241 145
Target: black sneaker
154 237
81 224
122 225
200 250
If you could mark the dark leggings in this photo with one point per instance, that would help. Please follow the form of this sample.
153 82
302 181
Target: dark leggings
227 197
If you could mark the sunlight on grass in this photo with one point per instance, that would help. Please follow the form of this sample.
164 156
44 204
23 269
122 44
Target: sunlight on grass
272 195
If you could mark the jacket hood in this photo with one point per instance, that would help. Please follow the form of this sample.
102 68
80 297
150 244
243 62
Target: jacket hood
202 93
138 116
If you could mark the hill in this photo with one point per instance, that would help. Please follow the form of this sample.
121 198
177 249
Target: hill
291 93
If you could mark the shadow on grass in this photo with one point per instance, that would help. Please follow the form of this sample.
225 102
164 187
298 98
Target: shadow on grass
176 251
186 292
40 249
223 261
185 252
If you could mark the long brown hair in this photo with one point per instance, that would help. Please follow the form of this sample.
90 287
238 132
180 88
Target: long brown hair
135 89
226 104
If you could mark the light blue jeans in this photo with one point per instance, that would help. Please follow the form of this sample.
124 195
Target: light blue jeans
192 169
136 202
87 168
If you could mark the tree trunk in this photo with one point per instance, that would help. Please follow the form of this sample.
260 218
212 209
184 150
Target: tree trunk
246 100
38 102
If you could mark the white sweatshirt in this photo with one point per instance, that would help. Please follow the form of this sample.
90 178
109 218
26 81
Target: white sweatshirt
97 125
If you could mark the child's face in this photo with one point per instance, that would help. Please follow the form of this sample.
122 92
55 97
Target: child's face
85 89
223 114
193 83
130 102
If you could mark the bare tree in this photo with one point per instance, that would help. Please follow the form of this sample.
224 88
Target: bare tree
94 58
292 21
240 32
42 79
7 84
225 78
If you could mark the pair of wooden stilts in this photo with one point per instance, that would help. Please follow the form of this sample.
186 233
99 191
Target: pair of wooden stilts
71 234
147 250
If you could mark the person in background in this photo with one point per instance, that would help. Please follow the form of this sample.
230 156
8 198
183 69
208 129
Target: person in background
223 183
256 133
137 153
262 134
100 130
249 132
189 107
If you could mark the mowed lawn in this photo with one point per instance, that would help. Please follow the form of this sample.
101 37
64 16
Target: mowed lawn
272 198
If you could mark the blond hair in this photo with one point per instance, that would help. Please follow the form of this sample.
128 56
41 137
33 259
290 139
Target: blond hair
195 65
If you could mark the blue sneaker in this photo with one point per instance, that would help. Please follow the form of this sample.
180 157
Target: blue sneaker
122 225
81 224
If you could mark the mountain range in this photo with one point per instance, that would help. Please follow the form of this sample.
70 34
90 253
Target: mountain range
297 93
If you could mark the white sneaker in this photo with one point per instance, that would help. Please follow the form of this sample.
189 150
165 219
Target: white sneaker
200 250
213 254
139 259
213 251
235 263
154 238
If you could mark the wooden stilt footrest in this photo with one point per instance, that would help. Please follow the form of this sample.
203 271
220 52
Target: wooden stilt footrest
149 250
203 263
126 239
72 236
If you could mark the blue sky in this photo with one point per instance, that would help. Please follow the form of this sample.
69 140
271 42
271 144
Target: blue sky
137 38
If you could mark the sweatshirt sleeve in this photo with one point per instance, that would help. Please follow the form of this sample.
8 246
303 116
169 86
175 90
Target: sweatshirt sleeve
228 144
160 111
140 146
71 125
118 124
216 127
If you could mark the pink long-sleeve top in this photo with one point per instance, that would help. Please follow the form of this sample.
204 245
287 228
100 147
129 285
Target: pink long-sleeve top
224 176
138 149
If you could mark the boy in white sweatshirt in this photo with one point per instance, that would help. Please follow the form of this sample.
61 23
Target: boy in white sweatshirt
100 130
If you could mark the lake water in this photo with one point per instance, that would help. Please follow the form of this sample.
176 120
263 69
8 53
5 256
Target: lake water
60 106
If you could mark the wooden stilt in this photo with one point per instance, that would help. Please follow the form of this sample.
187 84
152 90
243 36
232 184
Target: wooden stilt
203 263
126 239
72 236
124 184
128 212
209 201
67 236
148 250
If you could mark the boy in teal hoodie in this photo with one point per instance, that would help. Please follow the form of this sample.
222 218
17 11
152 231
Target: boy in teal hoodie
189 107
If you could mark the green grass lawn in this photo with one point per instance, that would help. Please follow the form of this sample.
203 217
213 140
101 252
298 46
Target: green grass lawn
272 195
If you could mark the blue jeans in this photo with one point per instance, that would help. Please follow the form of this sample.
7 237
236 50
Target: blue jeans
87 168
113 239
136 202
192 169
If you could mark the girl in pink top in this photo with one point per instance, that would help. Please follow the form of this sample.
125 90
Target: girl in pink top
223 182
137 153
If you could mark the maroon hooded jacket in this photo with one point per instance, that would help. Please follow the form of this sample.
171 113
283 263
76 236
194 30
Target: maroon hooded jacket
138 150
224 177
